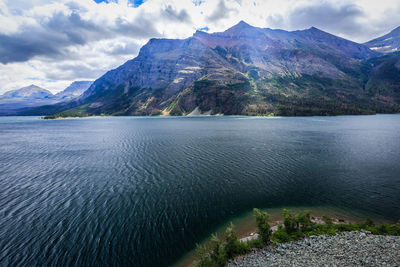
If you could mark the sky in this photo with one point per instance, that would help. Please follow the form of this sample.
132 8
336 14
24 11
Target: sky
53 43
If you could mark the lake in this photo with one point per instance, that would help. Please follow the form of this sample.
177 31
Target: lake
141 191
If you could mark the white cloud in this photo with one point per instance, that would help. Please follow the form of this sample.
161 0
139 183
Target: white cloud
52 43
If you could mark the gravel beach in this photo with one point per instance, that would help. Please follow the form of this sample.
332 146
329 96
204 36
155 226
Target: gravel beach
356 248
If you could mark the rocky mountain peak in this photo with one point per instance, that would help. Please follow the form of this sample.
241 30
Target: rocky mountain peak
243 24
241 28
312 28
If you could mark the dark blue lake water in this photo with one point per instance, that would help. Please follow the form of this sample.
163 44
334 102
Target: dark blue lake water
142 191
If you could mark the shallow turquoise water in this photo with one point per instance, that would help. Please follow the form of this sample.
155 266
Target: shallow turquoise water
142 191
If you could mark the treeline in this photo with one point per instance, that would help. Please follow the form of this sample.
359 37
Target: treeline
216 252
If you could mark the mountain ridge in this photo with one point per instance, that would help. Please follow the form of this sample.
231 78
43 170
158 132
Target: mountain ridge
387 43
244 70
19 100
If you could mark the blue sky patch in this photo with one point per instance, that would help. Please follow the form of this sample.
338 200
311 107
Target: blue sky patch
205 29
135 3
197 2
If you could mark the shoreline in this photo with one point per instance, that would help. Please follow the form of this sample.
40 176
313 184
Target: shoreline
246 227
70 117
274 226
53 117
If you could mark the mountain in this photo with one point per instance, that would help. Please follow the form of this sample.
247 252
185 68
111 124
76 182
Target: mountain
15 101
30 92
244 70
384 78
18 101
74 90
387 43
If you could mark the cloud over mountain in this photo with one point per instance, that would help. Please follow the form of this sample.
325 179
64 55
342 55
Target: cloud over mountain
55 42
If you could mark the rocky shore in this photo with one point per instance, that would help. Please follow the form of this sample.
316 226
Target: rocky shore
357 248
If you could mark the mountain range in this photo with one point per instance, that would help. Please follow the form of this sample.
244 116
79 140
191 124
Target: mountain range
247 70
17 101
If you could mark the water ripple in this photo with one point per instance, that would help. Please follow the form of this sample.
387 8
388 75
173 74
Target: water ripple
142 191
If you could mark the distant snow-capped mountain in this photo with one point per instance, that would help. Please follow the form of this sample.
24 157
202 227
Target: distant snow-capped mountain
74 90
29 92
15 101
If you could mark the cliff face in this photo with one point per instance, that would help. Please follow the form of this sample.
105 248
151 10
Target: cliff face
244 70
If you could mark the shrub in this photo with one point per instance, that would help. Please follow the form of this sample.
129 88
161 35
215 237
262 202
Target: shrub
256 243
211 254
217 254
299 222
390 229
303 221
368 222
327 220
232 246
289 221
203 253
383 229
348 227
262 220
280 235
244 248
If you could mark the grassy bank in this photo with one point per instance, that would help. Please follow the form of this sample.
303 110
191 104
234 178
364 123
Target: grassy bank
245 224
295 225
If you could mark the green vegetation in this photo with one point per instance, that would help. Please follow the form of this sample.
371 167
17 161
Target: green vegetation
233 246
211 254
50 117
80 111
310 95
228 97
262 220
217 252
296 226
